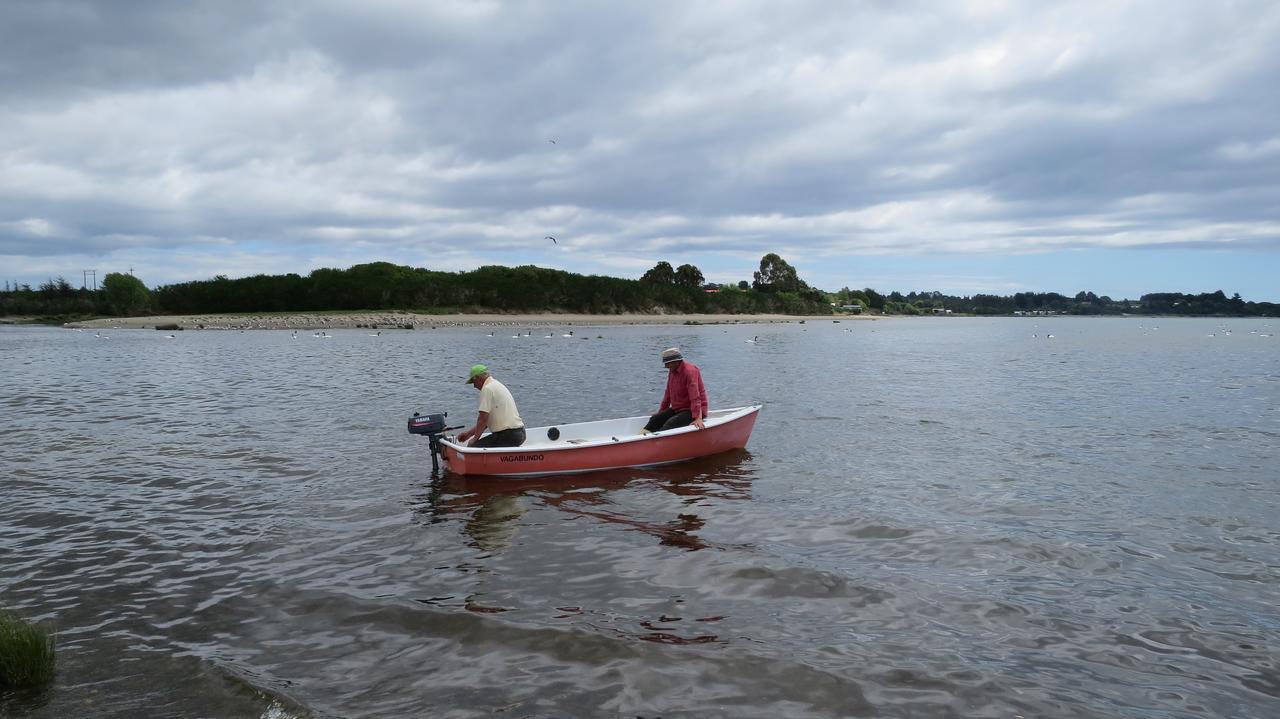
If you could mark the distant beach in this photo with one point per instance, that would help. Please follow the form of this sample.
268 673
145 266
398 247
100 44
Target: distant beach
405 320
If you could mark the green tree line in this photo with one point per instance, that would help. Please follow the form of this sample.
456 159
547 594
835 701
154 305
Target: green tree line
1083 303
775 288
120 295
385 286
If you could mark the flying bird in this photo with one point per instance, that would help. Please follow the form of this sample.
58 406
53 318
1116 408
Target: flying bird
553 240
552 141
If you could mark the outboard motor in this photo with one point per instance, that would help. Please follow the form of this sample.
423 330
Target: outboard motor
431 426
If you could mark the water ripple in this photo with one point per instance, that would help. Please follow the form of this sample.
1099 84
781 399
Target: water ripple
236 524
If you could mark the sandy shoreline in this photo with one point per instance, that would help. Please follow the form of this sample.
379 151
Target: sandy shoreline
407 320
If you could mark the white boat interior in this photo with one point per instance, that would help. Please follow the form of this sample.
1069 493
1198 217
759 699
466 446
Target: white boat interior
606 431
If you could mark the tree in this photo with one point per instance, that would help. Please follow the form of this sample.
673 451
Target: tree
125 294
874 299
743 285
661 274
688 276
52 288
776 275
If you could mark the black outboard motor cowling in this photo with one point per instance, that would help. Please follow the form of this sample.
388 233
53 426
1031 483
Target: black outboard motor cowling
427 423
431 426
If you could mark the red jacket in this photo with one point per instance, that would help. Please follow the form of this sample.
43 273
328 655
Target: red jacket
686 391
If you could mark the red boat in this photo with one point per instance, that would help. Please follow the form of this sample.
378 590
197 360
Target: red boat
607 444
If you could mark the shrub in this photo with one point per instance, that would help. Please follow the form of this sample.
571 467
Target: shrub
26 653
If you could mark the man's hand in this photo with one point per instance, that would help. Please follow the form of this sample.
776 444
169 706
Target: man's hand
698 423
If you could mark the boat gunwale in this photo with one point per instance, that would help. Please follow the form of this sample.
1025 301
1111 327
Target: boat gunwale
733 414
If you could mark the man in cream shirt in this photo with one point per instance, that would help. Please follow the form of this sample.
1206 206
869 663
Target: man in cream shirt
498 413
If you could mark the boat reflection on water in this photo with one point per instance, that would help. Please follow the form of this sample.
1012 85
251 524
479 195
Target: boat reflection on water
493 524
497 504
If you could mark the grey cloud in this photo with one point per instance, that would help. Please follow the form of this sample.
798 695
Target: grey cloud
161 123
59 50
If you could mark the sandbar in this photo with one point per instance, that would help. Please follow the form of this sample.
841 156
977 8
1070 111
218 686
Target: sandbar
392 319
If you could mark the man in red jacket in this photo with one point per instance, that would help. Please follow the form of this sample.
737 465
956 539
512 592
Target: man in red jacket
685 401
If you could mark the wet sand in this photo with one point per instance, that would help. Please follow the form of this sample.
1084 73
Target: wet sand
412 320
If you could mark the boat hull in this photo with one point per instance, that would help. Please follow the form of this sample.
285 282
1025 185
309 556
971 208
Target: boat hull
620 445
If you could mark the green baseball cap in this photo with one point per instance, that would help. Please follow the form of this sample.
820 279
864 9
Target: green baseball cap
476 371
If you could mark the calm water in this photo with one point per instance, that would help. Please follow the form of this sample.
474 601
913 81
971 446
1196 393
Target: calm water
935 517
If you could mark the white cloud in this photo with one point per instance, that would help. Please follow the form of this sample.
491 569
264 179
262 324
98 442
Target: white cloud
709 133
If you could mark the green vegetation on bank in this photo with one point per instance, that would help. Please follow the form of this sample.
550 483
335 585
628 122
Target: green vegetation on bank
1084 303
664 289
384 286
26 653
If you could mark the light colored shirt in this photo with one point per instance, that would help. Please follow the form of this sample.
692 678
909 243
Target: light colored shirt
685 391
496 399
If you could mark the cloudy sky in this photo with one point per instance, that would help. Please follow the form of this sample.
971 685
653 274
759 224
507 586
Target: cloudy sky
1118 147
